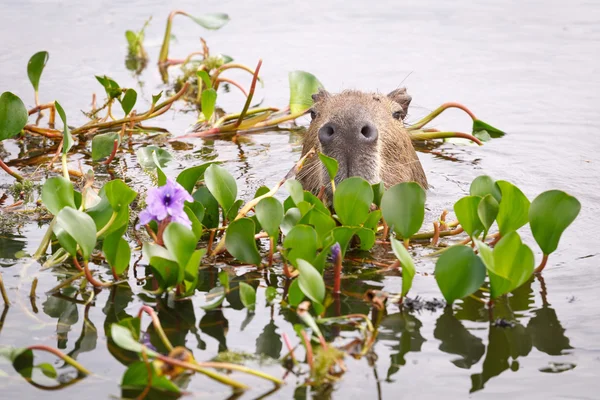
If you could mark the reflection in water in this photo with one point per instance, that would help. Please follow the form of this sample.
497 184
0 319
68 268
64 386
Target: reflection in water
215 325
456 339
269 342
405 327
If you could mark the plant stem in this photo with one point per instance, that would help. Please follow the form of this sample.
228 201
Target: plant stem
337 280
240 368
91 279
65 167
542 265
157 325
62 356
420 135
309 350
112 219
9 171
250 95
113 152
3 291
428 118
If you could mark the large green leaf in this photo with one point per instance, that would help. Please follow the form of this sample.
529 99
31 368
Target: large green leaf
190 176
35 67
290 219
118 194
136 377
67 138
181 243
208 100
484 185
222 186
310 281
466 212
330 164
403 208
301 242
408 266
80 227
295 190
124 339
302 86
549 215
269 212
487 210
513 211
103 145
459 273
13 115
247 295
58 193
240 241
352 201
322 222
211 207
117 252
163 265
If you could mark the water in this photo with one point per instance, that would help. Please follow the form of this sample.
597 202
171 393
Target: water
529 68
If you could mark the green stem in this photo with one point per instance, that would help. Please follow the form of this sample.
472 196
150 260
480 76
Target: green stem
3 291
240 368
112 219
45 241
65 168
250 95
10 171
157 326
420 135
62 356
428 118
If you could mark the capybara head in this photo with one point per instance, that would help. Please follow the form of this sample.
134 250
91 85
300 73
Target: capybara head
365 133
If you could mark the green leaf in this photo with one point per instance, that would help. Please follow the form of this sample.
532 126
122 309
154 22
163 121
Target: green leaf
459 273
13 115
549 215
136 377
224 280
408 266
330 164
148 155
487 210
156 97
270 294
342 235
181 243
67 138
118 194
117 252
48 370
290 219
301 242
240 242
80 227
208 101
192 271
378 191
480 126
163 265
484 185
190 176
352 201
124 339
211 21
322 222
509 266
466 210
513 211
205 78
295 190
112 88
214 298
211 207
311 282
403 208
195 212
373 220
132 40
269 212
295 295
128 101
103 144
222 186
58 193
302 86
248 296
367 238
35 67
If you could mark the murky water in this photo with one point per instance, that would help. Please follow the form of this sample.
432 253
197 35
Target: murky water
530 68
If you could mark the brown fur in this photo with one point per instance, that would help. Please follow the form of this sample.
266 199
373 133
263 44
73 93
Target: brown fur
391 159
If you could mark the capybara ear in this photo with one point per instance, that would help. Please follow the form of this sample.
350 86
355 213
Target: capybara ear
401 97
320 95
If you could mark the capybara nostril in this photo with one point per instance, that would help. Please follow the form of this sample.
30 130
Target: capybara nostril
368 133
326 133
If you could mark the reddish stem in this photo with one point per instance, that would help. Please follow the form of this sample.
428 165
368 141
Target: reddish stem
10 171
542 265
113 153
436 233
337 282
309 350
286 340
250 95
234 83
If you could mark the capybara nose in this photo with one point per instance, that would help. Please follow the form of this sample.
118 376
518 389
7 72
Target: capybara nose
327 132
368 133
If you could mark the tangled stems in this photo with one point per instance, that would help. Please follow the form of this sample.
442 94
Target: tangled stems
62 356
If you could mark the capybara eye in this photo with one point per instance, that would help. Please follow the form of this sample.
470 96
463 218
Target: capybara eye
397 115
313 114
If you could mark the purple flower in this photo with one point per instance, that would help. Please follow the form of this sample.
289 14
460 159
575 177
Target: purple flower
164 202
336 252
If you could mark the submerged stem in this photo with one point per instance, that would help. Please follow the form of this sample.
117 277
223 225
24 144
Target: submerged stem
62 356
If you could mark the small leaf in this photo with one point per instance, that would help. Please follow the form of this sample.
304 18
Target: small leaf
181 243
270 294
403 208
67 138
408 266
487 210
205 78
378 191
549 215
117 252
146 158
295 190
124 339
48 370
513 211
112 88
311 282
247 295
80 227
35 67
302 86
269 212
480 126
103 144
330 164
128 101
156 97
459 273
207 102
58 193
484 185
13 115
222 186
466 212
352 201
190 176
240 242
211 21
